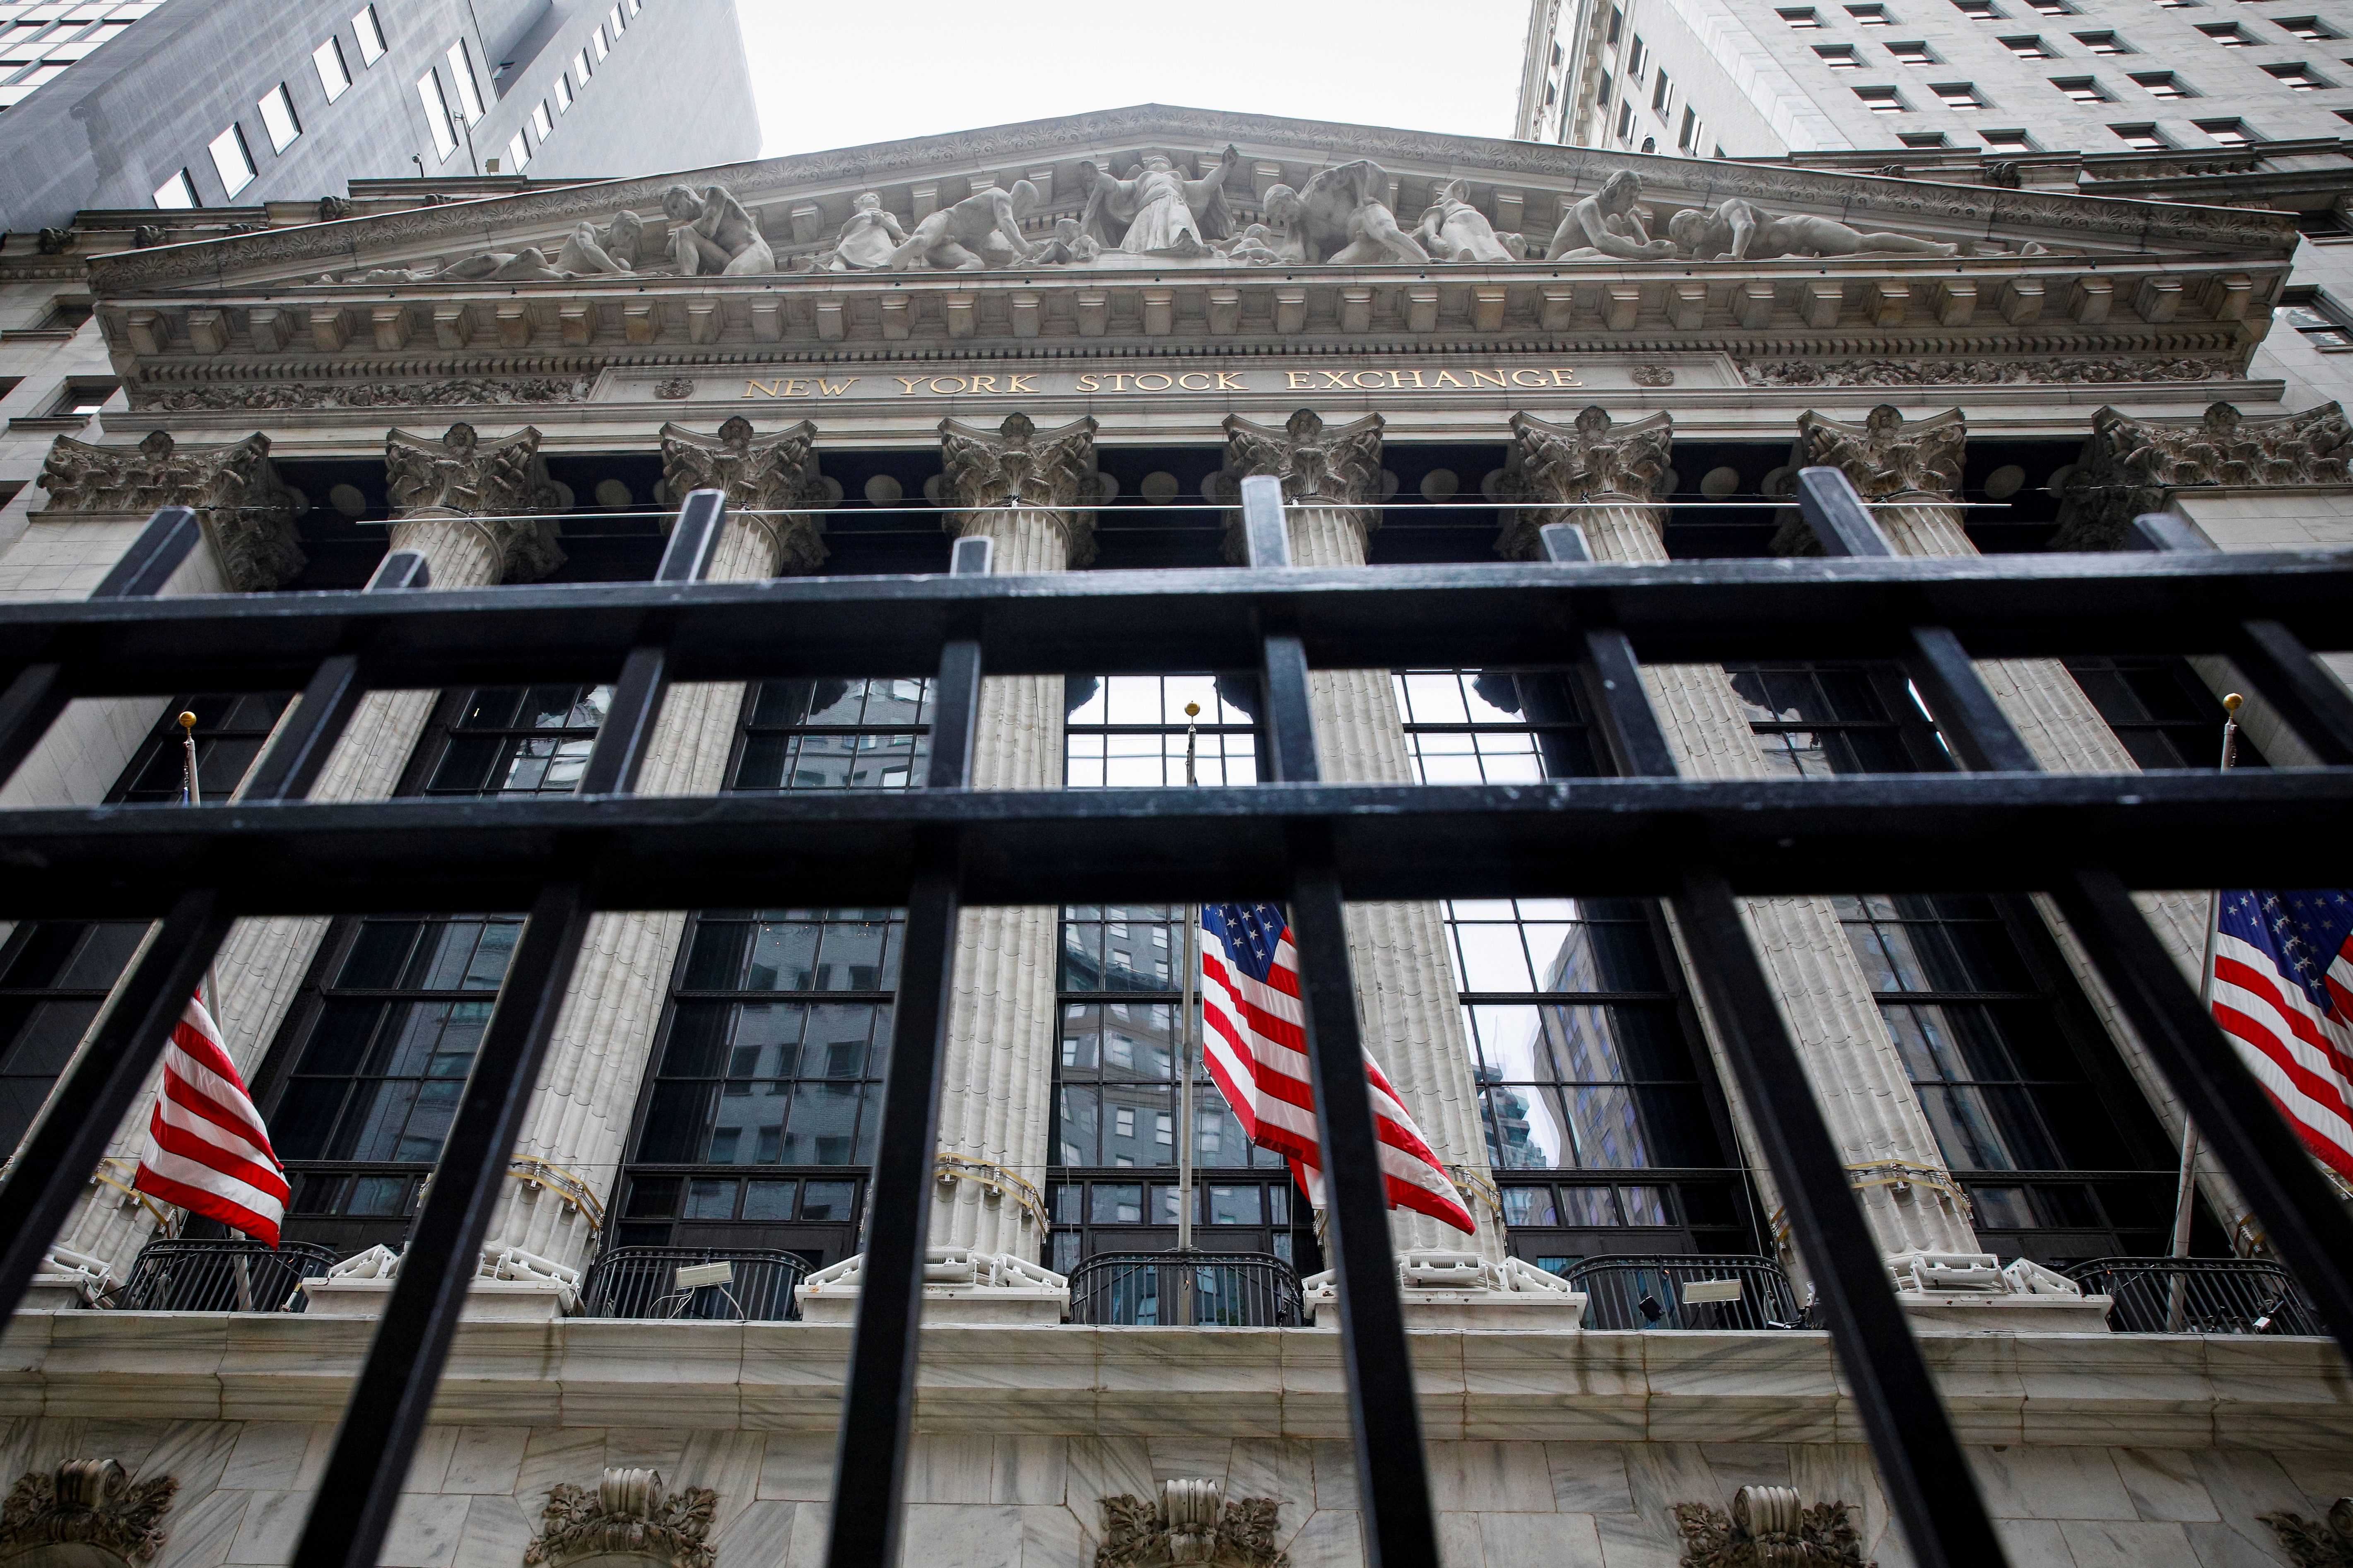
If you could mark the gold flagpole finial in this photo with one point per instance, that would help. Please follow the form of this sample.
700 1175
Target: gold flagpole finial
1192 711
187 722
2232 703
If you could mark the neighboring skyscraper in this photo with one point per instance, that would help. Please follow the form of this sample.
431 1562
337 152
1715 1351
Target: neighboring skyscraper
139 104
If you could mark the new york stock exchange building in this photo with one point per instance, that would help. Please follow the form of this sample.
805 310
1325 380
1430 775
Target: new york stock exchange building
1077 340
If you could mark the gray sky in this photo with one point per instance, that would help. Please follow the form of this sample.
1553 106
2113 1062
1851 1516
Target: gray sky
874 70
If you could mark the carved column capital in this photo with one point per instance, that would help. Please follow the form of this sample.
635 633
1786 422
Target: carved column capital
1885 457
1190 1522
2131 465
625 1514
1769 1527
1319 464
499 486
1595 459
90 1502
759 474
248 513
1016 462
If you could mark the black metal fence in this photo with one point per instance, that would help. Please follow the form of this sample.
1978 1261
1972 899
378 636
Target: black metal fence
1216 1290
221 1276
1659 1291
726 1284
1703 845
2199 1295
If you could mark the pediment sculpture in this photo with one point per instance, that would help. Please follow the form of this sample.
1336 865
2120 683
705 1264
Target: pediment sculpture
626 1521
2129 465
1451 229
1769 1527
1190 1522
87 1513
1340 217
711 233
1155 211
982 230
247 512
1552 467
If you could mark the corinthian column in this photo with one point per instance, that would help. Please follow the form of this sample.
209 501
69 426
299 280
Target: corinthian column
471 508
1857 1074
1405 998
1026 490
571 1144
1916 464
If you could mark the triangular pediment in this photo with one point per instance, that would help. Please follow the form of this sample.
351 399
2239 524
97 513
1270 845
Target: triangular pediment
803 200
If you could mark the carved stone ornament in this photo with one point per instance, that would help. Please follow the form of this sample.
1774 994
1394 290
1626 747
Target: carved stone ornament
1595 459
2131 465
1190 1522
675 388
1768 1527
332 208
1318 464
91 1505
503 484
247 514
1654 376
1017 464
1982 372
1885 457
759 474
470 392
55 241
626 1515
2327 1544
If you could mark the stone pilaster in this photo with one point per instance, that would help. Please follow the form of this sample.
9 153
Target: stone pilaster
1857 1073
470 508
1405 998
1027 491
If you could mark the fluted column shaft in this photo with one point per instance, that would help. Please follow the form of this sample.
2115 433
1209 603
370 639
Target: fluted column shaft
1858 1075
2067 735
1406 995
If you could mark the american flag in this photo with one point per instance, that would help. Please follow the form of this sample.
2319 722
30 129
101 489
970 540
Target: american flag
2283 992
1256 1050
207 1151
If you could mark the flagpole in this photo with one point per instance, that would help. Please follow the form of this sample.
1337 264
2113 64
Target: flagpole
2185 1190
192 793
1192 961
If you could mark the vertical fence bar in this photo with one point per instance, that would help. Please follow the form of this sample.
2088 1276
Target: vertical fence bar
636 704
306 738
879 1395
1384 1420
361 1487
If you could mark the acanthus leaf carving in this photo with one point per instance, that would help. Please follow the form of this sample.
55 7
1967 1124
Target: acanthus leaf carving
1319 464
2325 1544
761 474
626 1513
1552 467
1017 464
462 393
1769 1527
90 1502
501 485
1885 457
1191 1524
1981 372
248 513
2130 464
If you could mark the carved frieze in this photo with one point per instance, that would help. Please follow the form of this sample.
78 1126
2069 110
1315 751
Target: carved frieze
1018 464
1981 371
763 474
501 485
2327 1544
2130 464
1190 1523
1595 459
1320 465
247 514
625 1514
464 393
87 1502
1769 1527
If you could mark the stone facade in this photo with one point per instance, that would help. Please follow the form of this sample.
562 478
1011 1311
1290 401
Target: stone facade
1042 302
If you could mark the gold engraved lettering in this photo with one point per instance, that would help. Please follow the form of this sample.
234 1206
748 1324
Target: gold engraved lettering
1516 375
794 389
1373 385
909 383
1448 378
1118 380
1225 382
1479 377
1143 382
940 390
759 389
1302 380
1189 377
1088 382
984 384
1564 377
835 389
1397 378
1334 378
1014 384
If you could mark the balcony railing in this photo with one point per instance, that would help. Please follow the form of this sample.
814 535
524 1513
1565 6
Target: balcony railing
221 1276
694 1283
1658 1291
2199 1295
1210 1290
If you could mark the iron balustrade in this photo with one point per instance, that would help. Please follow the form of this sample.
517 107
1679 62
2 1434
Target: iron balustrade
2199 1295
662 1282
1661 1292
1702 844
1181 1287
231 1276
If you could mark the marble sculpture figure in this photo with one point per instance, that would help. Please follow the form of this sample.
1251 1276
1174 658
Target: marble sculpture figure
613 248
1606 224
1164 214
1737 231
1451 229
1340 217
713 234
982 230
867 241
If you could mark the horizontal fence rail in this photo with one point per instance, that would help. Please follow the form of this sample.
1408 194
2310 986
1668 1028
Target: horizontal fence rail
2085 840
1683 1292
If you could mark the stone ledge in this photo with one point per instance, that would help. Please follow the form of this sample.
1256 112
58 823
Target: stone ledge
2180 1390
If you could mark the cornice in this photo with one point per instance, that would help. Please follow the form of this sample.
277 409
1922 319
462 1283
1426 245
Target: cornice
1685 180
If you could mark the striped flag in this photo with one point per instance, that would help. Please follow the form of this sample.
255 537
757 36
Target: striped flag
2283 992
1256 1050
207 1151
